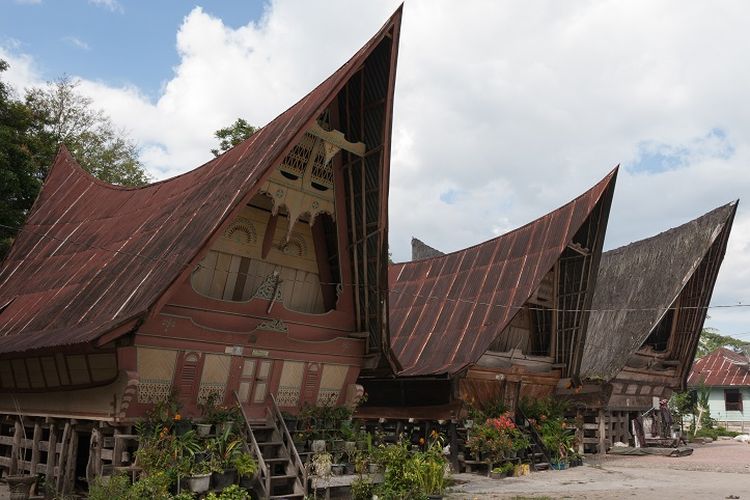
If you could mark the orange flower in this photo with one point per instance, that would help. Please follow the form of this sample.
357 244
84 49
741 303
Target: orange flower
177 417
421 440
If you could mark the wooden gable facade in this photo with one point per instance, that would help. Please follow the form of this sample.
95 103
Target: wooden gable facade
649 307
262 272
503 319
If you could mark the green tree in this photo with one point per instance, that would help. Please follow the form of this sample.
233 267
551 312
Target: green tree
31 131
19 180
711 339
232 135
62 115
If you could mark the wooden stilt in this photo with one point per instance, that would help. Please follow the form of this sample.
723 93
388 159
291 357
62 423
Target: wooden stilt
62 462
52 453
602 433
70 462
16 448
453 440
35 447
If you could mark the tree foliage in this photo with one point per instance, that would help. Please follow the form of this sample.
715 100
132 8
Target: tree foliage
232 135
64 116
31 131
711 339
19 180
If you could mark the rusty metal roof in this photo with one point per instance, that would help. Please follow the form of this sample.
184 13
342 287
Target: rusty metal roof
639 282
93 256
446 310
721 368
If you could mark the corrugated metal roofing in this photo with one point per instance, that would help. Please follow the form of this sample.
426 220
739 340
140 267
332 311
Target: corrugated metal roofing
638 282
440 317
721 368
92 256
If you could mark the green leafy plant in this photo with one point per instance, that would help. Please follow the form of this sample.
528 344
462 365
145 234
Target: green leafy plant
559 439
362 488
505 468
224 448
245 464
118 486
232 492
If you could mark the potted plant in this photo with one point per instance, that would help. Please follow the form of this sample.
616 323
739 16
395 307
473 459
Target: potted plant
203 429
496 440
246 468
290 421
502 471
20 486
223 449
198 476
558 437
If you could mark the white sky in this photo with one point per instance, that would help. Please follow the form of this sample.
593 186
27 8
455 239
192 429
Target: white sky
504 110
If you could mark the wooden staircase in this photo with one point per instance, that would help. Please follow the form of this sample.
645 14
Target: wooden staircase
281 474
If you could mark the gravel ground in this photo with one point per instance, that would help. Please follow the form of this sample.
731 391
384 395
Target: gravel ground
714 471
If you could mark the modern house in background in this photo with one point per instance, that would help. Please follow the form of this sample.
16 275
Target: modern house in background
726 375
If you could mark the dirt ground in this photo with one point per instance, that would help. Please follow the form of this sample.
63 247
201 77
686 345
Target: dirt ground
714 471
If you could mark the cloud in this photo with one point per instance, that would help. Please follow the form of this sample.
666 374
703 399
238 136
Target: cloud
112 5
503 110
76 42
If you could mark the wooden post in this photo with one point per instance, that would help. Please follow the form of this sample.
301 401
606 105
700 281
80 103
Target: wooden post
579 430
453 437
70 462
51 452
16 449
94 465
35 447
117 450
602 432
63 456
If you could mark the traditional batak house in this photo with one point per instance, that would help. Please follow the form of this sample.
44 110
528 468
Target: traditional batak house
503 319
261 273
648 311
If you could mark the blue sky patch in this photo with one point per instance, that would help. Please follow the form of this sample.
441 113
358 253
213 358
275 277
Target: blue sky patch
115 41
656 157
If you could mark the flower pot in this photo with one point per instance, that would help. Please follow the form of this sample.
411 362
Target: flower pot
558 465
198 483
221 480
350 469
203 430
20 486
373 468
319 446
337 470
291 423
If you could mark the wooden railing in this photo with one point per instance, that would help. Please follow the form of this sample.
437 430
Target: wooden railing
264 474
286 438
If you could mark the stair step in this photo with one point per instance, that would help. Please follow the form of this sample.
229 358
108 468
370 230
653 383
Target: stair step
270 443
541 466
285 477
276 459
288 495
256 428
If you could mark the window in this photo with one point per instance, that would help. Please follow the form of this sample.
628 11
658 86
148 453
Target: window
732 400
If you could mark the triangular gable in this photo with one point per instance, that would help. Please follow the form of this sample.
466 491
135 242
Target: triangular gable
446 310
638 282
92 257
